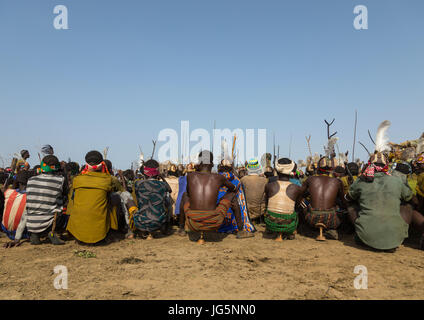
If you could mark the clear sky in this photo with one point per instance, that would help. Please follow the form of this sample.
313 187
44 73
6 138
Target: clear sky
127 69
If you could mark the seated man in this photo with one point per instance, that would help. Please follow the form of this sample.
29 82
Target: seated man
282 196
254 186
419 188
14 218
46 193
238 205
90 219
353 170
380 223
22 164
152 213
324 192
200 210
173 181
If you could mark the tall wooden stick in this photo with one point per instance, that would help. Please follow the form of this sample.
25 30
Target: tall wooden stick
154 147
291 138
308 140
354 136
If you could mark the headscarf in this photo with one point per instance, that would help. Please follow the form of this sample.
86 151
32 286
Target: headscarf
372 168
286 169
151 172
46 168
324 165
95 168
254 167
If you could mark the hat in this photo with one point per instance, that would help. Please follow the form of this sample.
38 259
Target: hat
378 157
284 166
254 167
190 167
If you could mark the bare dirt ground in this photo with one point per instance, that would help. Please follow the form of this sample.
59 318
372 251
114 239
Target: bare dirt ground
173 267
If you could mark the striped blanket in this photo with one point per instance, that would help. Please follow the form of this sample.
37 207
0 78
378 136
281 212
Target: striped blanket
14 207
44 200
327 217
230 223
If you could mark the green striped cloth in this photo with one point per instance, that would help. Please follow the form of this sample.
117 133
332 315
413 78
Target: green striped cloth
285 223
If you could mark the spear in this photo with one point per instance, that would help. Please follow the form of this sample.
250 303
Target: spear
354 136
232 150
291 139
274 151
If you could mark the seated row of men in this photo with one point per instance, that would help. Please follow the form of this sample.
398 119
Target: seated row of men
89 204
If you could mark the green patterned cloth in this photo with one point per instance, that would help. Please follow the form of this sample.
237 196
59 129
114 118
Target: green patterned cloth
285 223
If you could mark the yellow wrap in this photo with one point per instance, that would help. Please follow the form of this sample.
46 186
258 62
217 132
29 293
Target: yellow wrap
131 217
91 219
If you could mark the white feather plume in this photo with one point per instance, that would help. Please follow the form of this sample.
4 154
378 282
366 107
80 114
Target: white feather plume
141 159
105 151
382 139
330 146
420 146
224 150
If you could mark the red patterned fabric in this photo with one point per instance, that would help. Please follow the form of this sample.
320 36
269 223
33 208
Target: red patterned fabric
98 167
151 172
372 168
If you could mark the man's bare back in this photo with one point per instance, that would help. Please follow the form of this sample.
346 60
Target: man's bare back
203 189
324 191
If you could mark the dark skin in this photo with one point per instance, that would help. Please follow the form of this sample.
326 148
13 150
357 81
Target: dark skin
293 191
25 155
324 191
202 192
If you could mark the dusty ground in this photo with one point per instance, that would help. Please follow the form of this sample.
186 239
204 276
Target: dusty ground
172 267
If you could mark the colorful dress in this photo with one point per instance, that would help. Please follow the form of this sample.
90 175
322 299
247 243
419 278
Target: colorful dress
230 223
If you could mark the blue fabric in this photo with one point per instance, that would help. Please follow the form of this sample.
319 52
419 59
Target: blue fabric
11 234
295 181
230 223
182 187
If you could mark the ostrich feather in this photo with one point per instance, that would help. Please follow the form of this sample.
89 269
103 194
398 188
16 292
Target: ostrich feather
301 164
224 150
382 139
343 158
141 159
330 146
420 146
105 151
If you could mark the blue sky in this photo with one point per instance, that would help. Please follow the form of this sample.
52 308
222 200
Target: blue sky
127 69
